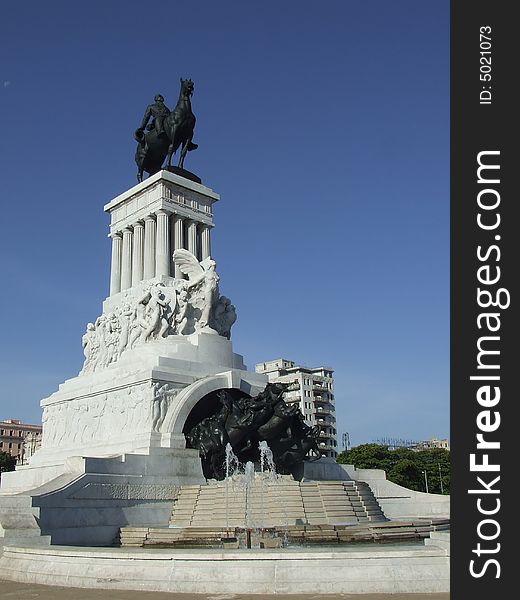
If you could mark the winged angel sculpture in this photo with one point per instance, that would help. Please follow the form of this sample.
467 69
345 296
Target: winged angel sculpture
203 278
216 311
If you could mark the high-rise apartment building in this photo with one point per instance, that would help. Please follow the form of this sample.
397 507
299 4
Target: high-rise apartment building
313 390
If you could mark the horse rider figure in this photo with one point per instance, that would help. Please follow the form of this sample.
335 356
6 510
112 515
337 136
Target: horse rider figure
158 111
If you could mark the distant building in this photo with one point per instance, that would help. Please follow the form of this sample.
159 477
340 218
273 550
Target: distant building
431 444
394 443
313 390
19 439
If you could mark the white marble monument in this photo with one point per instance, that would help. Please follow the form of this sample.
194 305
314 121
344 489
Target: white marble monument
161 343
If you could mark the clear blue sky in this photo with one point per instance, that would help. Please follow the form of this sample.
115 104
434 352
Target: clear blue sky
325 128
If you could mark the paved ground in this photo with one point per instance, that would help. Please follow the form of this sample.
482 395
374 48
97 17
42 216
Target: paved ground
23 591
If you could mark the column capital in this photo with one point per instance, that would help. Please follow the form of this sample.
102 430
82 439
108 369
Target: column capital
115 235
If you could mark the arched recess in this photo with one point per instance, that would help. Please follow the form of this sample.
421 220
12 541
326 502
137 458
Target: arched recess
190 395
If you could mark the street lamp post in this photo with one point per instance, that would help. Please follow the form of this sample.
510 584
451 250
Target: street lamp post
426 481
440 477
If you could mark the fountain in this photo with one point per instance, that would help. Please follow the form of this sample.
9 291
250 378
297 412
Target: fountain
267 459
243 480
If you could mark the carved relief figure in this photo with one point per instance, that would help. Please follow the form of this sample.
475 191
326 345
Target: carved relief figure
112 328
156 314
88 343
163 394
181 315
126 315
158 311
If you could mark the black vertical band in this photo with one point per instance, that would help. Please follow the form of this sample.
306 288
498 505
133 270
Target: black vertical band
484 130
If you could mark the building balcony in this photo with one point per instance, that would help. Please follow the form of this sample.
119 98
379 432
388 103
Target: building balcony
326 421
293 400
326 446
321 400
293 387
319 388
330 436
324 410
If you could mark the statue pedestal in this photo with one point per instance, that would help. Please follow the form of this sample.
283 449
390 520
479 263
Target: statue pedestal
183 173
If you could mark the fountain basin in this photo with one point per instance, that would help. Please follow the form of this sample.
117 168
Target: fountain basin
354 569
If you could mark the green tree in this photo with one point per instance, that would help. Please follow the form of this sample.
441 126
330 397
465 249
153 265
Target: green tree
7 462
436 463
407 473
404 466
367 456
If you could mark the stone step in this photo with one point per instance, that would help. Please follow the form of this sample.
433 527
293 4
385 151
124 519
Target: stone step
330 484
280 502
18 502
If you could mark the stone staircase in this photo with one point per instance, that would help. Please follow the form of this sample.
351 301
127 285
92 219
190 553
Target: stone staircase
299 535
19 522
275 503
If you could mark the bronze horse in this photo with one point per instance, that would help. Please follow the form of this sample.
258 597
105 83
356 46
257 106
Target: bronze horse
178 126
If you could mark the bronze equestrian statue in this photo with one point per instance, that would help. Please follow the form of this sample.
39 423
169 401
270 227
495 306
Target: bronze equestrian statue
167 131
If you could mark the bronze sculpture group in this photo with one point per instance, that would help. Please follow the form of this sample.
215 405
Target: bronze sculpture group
167 131
245 422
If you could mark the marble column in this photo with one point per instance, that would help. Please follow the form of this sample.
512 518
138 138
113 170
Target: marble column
178 237
138 253
192 237
126 259
205 242
149 247
115 271
162 247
